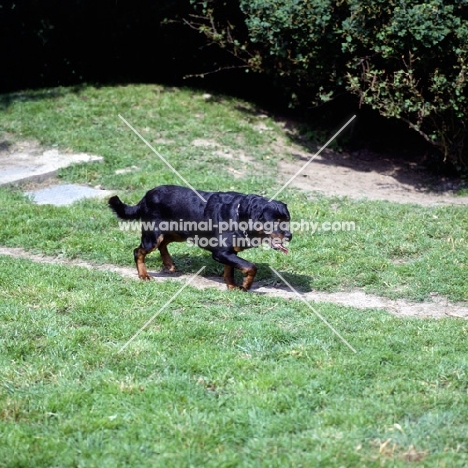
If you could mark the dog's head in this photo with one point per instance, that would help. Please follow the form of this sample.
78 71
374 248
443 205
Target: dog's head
270 220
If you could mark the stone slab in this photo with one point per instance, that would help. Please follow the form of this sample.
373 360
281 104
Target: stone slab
62 195
21 167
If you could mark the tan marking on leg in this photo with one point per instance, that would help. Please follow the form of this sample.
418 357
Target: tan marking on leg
165 255
249 278
229 277
166 258
140 255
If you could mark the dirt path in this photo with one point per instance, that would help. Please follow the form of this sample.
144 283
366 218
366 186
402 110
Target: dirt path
365 175
438 308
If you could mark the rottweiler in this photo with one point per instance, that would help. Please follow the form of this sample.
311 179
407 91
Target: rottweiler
225 224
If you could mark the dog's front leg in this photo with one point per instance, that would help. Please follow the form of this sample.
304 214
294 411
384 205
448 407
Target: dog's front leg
249 271
229 277
230 260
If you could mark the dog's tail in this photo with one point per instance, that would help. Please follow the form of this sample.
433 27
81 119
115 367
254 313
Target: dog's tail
122 210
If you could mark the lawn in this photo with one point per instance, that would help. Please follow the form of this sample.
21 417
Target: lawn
218 378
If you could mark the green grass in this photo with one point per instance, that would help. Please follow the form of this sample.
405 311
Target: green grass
218 379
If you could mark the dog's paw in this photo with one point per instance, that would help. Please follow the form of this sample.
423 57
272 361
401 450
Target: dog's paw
233 287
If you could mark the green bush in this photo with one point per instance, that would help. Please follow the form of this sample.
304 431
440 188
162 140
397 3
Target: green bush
296 41
293 42
406 59
409 60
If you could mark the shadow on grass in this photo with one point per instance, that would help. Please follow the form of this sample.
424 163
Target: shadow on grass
6 100
188 265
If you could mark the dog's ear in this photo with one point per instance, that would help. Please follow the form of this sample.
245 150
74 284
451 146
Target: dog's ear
256 207
252 207
277 209
282 209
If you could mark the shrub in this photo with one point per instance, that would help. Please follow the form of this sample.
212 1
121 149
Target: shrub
406 59
409 60
292 42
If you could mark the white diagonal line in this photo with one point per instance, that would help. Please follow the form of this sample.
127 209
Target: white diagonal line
314 311
160 310
173 169
312 158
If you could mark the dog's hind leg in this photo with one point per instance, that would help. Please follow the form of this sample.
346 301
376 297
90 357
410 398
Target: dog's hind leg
165 255
150 241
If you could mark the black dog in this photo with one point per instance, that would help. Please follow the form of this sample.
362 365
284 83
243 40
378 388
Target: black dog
227 223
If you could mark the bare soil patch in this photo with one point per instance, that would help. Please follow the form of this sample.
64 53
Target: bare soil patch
364 175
